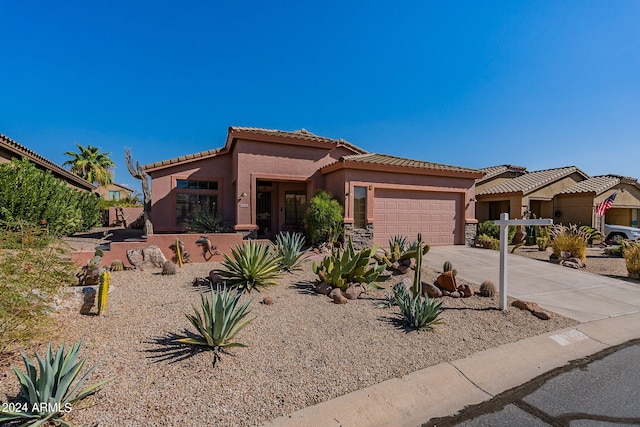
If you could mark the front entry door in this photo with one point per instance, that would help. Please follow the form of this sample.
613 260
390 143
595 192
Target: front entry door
264 214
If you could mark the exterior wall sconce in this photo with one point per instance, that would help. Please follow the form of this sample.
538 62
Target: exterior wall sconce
371 187
472 200
244 194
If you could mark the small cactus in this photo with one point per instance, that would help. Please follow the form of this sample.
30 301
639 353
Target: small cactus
447 266
169 267
99 252
117 265
487 289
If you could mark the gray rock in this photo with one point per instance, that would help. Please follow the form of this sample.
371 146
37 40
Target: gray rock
149 257
353 291
323 288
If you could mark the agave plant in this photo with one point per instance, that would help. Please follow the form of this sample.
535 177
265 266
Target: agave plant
418 312
350 266
249 266
400 249
49 393
220 321
207 221
288 248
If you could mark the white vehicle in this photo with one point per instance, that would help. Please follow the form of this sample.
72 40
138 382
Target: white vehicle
615 233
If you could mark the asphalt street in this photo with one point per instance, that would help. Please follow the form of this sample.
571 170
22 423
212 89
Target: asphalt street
600 390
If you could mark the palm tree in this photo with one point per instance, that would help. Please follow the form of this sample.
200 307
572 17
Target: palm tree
91 164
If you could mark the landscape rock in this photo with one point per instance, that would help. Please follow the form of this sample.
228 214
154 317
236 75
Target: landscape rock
455 294
149 257
267 300
322 288
395 265
89 300
407 283
403 269
338 298
214 277
430 290
353 291
465 291
532 307
447 281
542 315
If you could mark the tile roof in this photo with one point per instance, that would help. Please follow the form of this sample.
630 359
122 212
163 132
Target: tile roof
298 134
301 134
202 154
384 159
36 158
493 171
532 181
599 184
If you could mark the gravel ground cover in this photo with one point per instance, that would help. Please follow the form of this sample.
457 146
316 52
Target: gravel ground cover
302 349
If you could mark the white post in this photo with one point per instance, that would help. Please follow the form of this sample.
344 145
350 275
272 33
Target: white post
504 233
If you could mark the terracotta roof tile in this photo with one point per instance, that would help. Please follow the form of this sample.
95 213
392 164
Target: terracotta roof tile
532 181
20 149
207 153
384 159
599 184
493 171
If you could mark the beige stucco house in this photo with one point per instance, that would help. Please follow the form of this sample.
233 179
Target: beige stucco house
10 149
525 192
114 191
261 180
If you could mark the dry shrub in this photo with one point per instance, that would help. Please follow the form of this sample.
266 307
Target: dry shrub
631 253
570 240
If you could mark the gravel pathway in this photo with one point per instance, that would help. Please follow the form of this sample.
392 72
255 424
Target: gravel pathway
303 349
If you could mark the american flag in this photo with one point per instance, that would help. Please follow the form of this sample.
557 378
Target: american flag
602 207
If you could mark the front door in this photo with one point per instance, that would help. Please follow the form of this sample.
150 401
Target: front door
264 214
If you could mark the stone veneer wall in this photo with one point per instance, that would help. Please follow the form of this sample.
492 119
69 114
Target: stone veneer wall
470 233
362 238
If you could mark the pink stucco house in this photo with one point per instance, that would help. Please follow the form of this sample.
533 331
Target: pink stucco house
261 180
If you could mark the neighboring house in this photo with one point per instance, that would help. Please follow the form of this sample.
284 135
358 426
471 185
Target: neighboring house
495 175
10 149
576 204
262 181
114 191
526 193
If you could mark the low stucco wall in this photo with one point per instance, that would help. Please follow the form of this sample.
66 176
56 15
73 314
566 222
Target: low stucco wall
118 250
131 214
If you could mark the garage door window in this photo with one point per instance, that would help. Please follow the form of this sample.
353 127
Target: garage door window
360 207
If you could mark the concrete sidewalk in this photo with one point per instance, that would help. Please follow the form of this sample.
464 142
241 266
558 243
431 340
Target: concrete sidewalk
609 308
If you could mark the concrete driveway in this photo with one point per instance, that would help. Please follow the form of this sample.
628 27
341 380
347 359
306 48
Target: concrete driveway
572 293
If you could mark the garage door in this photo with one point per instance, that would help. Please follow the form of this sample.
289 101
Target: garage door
408 213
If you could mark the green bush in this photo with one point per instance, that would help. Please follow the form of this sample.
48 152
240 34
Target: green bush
207 222
491 229
31 195
631 251
488 242
30 279
325 218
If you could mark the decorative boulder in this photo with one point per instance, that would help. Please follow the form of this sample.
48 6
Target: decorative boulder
267 300
532 307
322 288
430 290
149 257
402 269
465 291
447 281
455 294
214 277
407 283
353 291
336 295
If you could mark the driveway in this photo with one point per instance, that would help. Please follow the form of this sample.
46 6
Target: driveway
572 293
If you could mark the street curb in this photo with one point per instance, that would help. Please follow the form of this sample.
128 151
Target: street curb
449 387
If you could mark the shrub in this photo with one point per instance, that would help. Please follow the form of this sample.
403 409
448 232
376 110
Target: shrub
250 265
543 238
48 394
30 279
33 196
491 229
631 251
324 218
350 266
288 248
569 241
419 312
207 222
221 320
488 242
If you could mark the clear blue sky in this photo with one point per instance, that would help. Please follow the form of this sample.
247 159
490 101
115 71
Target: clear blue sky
540 84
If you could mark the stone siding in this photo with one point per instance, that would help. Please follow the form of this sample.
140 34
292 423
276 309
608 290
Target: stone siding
470 233
362 238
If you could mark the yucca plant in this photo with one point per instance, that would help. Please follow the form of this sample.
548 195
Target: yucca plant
250 265
418 312
288 248
220 321
49 392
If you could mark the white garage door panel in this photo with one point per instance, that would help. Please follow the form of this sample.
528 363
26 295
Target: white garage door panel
408 213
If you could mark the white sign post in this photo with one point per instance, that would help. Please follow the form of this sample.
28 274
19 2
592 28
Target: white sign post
504 222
